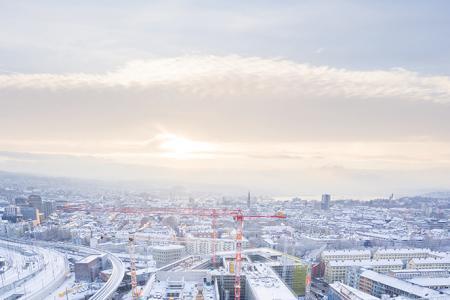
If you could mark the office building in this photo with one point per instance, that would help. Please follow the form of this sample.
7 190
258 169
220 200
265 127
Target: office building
29 213
48 207
164 255
35 201
325 203
88 268
338 270
21 201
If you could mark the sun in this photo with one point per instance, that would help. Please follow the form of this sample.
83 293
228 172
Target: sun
183 148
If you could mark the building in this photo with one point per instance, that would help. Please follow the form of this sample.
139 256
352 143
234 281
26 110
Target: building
12 211
205 245
262 276
35 201
340 291
21 201
345 255
164 255
338 270
183 285
435 283
88 268
48 207
403 253
263 283
379 284
430 263
29 213
325 203
415 273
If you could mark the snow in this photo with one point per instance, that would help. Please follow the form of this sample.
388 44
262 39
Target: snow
47 266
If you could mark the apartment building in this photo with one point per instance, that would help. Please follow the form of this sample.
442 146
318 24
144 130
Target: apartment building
379 284
338 270
403 253
204 246
345 255
167 254
430 263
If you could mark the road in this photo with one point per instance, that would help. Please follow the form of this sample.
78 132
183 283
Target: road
110 287
54 274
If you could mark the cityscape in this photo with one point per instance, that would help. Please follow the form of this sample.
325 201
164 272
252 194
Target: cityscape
225 150
70 239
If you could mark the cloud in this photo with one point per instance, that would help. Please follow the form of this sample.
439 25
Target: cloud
229 119
237 75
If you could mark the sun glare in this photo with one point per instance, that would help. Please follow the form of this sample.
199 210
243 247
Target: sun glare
183 148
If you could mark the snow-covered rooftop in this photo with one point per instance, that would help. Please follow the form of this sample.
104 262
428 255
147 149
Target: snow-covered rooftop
405 286
365 262
353 293
431 281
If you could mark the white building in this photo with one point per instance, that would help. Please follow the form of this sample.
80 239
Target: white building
345 255
167 254
204 246
403 253
338 270
430 263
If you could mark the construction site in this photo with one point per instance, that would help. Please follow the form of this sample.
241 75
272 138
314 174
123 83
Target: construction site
227 268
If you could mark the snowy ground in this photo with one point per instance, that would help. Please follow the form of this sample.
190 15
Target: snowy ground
18 266
49 268
72 290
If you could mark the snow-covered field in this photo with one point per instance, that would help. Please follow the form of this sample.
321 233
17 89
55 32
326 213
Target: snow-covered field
34 276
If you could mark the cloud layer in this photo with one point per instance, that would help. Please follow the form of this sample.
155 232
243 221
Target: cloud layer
271 123
230 75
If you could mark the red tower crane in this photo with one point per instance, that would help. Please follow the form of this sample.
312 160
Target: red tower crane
239 217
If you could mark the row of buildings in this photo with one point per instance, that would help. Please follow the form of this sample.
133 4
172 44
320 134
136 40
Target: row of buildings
31 208
412 273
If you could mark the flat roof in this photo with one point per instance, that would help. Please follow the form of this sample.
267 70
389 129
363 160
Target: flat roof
88 259
168 247
265 283
430 281
189 289
403 251
431 260
351 292
405 286
346 252
418 270
365 262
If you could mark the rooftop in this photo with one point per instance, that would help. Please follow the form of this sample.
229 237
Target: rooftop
346 252
88 259
168 247
405 286
365 262
265 284
352 293
181 290
430 281
403 251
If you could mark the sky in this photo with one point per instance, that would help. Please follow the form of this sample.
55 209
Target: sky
299 98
